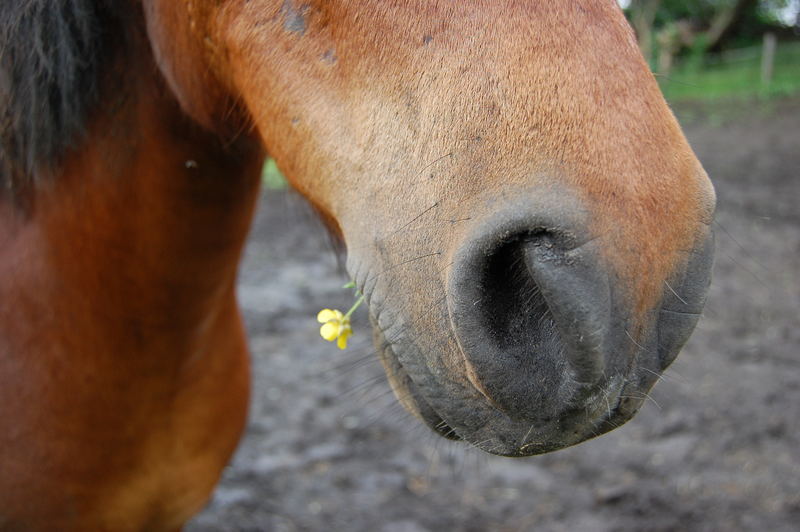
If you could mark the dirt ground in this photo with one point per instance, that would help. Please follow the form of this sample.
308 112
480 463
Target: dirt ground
718 448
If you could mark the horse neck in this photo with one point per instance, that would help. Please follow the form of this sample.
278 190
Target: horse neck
139 230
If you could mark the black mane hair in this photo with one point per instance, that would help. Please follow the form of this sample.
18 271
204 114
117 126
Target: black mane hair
51 54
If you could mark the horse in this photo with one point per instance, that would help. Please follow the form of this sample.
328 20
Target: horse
519 207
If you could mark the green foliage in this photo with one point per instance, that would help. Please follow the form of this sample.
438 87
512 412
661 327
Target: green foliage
696 56
756 18
272 177
735 75
697 11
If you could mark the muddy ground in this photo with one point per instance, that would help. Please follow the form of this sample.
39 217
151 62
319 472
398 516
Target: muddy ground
717 449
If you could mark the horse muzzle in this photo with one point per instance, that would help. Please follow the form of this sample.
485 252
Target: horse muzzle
550 350
546 331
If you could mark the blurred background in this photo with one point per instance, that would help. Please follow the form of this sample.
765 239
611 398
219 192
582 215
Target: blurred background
712 49
716 449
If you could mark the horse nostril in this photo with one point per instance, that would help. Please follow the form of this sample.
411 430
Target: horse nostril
531 314
512 309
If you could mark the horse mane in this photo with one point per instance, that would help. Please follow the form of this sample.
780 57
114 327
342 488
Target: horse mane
51 54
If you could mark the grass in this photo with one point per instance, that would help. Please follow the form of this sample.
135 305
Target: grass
735 76
272 177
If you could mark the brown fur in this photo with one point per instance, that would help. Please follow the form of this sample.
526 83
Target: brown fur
124 366
123 361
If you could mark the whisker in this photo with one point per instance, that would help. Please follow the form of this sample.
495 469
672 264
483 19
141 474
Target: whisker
659 376
744 249
414 219
748 270
676 294
634 341
643 395
446 155
369 382
397 265
525 438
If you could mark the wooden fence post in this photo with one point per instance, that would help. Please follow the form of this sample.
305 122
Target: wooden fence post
768 58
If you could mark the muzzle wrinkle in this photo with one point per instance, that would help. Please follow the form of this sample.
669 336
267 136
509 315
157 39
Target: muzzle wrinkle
405 351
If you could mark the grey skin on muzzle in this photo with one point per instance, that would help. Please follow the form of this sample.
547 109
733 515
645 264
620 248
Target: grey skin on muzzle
543 323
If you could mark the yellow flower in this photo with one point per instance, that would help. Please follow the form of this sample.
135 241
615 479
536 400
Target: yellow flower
336 326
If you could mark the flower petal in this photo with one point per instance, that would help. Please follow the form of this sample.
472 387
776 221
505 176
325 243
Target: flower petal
326 314
341 343
329 331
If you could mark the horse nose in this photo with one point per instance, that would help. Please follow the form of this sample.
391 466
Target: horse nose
531 308
542 327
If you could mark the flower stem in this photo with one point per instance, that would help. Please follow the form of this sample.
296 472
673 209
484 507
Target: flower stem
355 305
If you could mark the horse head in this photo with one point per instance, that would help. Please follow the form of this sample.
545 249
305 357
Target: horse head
528 224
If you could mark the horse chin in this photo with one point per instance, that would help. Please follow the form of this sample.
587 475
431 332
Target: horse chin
606 407
407 392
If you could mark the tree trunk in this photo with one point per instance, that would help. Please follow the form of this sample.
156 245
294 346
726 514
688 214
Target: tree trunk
669 43
643 15
724 20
